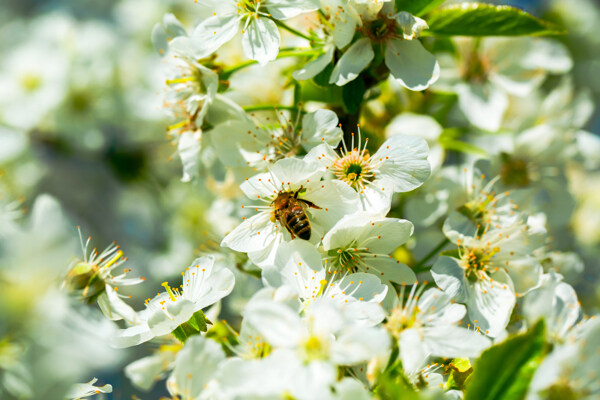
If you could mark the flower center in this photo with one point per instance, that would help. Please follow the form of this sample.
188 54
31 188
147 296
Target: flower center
354 169
315 348
380 29
30 82
248 7
476 69
514 171
475 262
401 319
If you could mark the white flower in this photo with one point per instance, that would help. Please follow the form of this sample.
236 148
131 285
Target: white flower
556 302
571 370
363 242
298 265
324 203
399 165
426 326
195 365
146 371
487 292
92 279
414 67
493 267
420 125
203 284
260 36
87 389
494 67
323 333
243 143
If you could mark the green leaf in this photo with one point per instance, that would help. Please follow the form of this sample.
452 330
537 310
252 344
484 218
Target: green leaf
475 19
417 7
353 94
461 370
504 371
449 143
393 384
199 321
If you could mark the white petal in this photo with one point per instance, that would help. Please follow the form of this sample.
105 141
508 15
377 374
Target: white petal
358 287
483 105
132 336
454 341
360 345
179 311
196 364
261 40
491 304
276 322
413 352
284 9
255 233
114 307
413 66
403 162
319 127
208 36
450 277
390 269
323 154
343 19
314 67
300 266
144 373
236 147
296 172
189 147
355 59
336 199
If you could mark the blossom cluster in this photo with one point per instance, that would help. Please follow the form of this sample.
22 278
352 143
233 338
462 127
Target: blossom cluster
380 201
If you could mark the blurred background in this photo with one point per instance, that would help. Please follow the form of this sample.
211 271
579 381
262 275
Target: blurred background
81 120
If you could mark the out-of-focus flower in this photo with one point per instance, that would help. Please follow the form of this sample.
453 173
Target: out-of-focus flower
204 283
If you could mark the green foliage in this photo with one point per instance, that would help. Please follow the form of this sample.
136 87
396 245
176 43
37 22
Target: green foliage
461 370
353 94
417 7
475 19
504 371
393 384
196 324
450 141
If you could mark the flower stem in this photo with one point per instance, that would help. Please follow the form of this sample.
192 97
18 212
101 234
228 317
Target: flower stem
419 267
298 52
291 30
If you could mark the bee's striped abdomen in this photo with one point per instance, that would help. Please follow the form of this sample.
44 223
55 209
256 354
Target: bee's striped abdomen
297 221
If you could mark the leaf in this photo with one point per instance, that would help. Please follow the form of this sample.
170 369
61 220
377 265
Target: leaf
504 371
393 384
461 370
353 93
476 19
417 7
450 143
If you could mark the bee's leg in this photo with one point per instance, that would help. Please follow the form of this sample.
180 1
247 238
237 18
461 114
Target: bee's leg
298 191
311 204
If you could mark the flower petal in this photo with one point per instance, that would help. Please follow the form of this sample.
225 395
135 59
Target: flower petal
314 67
320 126
355 59
413 66
261 40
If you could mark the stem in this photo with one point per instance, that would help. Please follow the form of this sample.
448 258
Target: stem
282 54
269 107
291 30
419 267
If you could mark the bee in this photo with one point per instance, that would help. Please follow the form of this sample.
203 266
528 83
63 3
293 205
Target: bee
290 211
